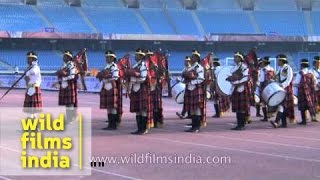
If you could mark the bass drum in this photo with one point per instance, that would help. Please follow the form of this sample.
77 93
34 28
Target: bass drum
224 87
178 90
257 96
273 94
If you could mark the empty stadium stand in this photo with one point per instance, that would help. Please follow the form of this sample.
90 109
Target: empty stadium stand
225 22
281 22
19 18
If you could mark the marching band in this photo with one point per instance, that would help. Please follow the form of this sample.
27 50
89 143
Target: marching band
202 81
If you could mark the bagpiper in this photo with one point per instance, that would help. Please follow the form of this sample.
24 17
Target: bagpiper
109 94
140 101
68 93
240 97
316 72
195 97
33 98
306 82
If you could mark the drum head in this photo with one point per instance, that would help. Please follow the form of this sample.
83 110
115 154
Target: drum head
277 98
225 88
256 99
180 97
178 90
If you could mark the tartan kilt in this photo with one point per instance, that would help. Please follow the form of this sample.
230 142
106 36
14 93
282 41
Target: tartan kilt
119 87
156 100
241 100
224 103
251 92
289 102
140 101
317 100
69 95
195 99
305 103
33 103
109 98
307 95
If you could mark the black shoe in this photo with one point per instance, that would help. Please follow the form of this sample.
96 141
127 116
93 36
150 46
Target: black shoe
264 119
259 115
274 124
216 116
283 126
189 130
143 132
195 130
135 132
235 128
181 116
302 123
109 128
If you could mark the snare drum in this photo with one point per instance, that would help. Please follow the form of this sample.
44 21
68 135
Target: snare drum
273 94
224 87
178 90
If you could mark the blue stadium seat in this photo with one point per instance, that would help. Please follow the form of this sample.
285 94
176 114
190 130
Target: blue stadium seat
65 19
281 23
19 18
183 21
275 5
218 5
115 20
157 21
51 3
315 17
103 3
225 22
172 4
151 4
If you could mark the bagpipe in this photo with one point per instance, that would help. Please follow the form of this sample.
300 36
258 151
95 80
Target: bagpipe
124 64
157 66
207 66
81 64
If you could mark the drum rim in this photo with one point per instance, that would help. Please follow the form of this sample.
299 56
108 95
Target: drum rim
273 95
176 98
176 84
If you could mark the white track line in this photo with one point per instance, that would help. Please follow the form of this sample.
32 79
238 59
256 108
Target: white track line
114 174
2 177
226 148
236 150
93 169
292 137
256 141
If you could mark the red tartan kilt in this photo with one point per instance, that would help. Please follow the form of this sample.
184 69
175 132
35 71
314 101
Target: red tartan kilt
156 99
33 103
139 101
289 102
318 98
224 103
241 100
302 101
194 99
69 95
109 98
306 101
251 90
